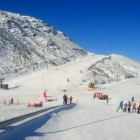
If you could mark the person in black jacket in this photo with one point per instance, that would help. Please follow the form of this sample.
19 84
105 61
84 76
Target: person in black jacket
12 101
138 108
129 106
71 99
64 99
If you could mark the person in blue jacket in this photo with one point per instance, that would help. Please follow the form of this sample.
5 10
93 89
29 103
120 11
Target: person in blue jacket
120 106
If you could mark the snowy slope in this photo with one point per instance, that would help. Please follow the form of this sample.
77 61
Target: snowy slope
108 69
89 119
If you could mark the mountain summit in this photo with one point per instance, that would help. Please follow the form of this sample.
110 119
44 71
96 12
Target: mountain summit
28 43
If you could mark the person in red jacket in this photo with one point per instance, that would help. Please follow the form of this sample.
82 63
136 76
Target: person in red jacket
134 107
66 99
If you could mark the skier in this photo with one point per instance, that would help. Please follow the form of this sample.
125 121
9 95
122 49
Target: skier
45 93
129 106
12 101
64 99
120 106
71 99
134 107
125 107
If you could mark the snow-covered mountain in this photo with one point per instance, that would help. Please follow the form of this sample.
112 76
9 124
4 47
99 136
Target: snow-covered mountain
114 67
103 69
28 43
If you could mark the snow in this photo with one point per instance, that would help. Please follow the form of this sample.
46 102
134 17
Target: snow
89 119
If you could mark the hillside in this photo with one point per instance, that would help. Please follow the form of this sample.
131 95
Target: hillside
27 43
114 67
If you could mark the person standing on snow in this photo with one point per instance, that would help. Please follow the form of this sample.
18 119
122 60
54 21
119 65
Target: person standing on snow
129 106
120 106
71 99
134 107
64 99
125 107
12 101
138 109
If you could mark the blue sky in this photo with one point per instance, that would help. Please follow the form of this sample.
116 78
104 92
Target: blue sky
102 27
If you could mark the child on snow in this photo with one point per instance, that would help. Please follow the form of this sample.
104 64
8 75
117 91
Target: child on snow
125 107
134 107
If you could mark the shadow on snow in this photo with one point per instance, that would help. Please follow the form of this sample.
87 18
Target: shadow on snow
28 128
86 124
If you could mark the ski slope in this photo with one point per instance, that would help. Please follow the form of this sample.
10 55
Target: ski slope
30 87
89 119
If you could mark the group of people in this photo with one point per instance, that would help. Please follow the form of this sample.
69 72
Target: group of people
10 102
35 104
127 107
100 95
67 100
